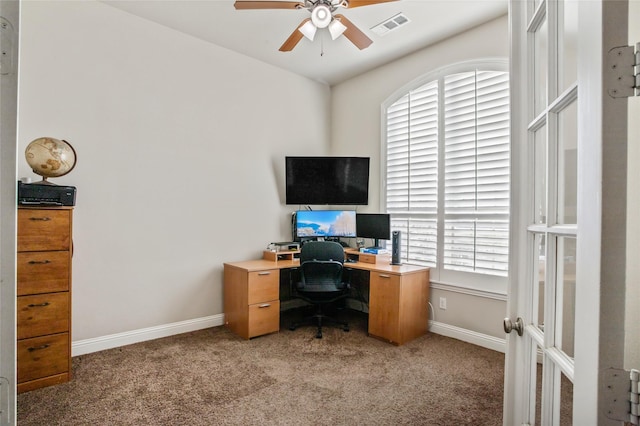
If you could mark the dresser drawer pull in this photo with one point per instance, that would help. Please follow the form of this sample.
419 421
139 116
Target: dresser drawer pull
45 219
37 348
264 273
384 276
39 262
38 305
264 305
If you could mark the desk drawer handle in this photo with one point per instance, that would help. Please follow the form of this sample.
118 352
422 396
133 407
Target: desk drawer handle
38 305
37 348
45 219
39 262
264 305
384 276
264 273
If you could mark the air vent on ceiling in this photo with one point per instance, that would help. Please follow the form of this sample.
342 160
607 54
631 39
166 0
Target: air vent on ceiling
390 24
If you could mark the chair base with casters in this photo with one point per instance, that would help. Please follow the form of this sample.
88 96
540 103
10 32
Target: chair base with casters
319 319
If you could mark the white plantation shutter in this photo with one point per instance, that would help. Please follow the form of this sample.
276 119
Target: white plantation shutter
412 171
464 117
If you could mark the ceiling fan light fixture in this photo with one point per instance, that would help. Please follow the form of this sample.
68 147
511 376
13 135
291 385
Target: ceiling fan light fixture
336 28
308 30
321 16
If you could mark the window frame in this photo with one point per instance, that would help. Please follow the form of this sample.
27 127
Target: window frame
471 281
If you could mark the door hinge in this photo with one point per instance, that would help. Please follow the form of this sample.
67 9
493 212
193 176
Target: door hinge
7 47
621 395
623 76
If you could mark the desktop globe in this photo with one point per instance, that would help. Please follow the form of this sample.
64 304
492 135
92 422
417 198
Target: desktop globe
50 157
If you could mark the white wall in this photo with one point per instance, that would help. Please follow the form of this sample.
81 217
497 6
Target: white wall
356 129
181 149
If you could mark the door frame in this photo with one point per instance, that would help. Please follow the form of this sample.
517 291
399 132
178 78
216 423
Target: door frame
9 10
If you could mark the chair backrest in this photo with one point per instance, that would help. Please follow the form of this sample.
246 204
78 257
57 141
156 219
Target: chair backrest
322 250
321 264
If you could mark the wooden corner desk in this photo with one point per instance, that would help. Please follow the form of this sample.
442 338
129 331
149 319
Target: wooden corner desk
398 295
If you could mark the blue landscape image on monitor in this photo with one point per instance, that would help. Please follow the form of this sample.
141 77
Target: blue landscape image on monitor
326 223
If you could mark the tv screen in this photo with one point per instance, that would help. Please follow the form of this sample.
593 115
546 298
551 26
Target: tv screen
374 225
325 223
327 180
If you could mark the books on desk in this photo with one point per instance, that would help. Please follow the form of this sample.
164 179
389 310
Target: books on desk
375 250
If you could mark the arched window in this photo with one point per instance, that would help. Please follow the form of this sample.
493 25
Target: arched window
446 168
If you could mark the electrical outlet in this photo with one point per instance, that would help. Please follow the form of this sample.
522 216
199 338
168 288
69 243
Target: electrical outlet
443 303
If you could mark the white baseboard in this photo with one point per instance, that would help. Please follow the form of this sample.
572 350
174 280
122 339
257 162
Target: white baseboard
96 344
468 336
86 346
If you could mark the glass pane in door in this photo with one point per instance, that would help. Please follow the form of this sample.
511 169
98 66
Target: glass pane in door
538 393
539 282
566 295
540 175
567 164
567 43
566 401
540 68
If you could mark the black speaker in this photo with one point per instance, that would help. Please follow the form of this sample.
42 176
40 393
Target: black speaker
395 248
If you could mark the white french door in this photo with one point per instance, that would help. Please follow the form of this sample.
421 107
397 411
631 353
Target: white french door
568 185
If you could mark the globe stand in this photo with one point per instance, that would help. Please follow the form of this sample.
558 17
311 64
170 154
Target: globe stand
44 181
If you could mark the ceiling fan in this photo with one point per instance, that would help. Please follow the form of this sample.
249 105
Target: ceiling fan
321 17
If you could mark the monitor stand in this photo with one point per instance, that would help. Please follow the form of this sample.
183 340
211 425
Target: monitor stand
376 245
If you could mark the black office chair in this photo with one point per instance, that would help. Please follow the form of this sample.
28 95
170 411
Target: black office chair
321 283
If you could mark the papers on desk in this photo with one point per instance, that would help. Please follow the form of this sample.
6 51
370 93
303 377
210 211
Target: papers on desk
375 250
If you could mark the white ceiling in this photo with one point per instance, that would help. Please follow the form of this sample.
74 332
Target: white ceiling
260 33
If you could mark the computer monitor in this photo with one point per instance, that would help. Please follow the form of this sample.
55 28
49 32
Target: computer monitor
325 223
374 225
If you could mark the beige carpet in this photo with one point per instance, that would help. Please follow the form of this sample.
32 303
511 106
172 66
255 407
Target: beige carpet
212 377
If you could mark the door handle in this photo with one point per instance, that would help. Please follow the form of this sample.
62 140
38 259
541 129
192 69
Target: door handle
518 326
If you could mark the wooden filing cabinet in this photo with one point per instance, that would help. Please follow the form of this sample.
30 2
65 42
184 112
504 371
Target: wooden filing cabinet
251 299
398 305
44 296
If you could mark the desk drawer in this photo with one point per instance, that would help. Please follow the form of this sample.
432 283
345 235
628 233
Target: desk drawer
42 314
43 272
264 286
264 318
42 356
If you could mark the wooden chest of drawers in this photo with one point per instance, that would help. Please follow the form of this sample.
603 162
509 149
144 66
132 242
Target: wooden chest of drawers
44 296
251 300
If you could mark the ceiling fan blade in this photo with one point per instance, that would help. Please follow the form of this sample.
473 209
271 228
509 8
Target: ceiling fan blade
352 32
359 3
253 4
294 38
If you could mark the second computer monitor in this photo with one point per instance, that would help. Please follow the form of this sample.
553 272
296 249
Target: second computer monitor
374 225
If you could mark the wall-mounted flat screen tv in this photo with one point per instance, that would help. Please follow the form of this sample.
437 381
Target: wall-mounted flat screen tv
325 223
327 180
